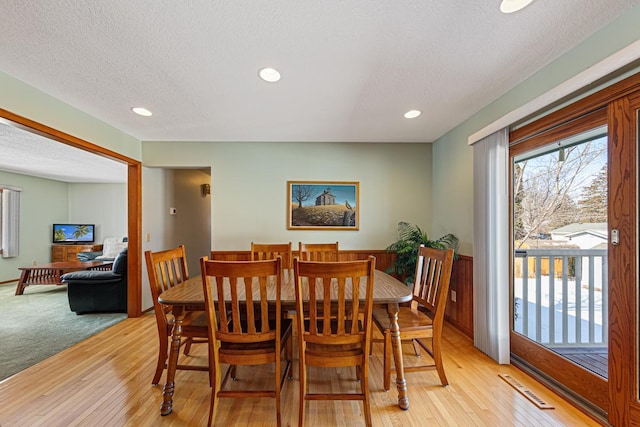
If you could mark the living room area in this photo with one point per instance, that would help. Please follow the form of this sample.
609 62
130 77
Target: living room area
45 201
40 323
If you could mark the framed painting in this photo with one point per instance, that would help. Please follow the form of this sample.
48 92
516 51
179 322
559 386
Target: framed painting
323 205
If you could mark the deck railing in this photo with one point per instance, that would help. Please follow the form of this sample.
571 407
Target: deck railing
561 296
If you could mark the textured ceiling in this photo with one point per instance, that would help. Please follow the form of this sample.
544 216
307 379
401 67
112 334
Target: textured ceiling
350 69
27 153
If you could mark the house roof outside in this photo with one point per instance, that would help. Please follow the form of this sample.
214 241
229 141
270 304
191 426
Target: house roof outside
596 228
584 235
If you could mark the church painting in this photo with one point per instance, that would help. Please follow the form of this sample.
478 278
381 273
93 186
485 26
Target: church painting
322 205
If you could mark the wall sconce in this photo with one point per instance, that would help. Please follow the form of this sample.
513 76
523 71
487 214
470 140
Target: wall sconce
206 189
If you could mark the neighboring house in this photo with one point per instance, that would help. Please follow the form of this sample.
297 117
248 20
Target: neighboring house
583 235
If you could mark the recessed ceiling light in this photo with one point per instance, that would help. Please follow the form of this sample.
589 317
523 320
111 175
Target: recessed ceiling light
412 114
142 111
270 75
510 6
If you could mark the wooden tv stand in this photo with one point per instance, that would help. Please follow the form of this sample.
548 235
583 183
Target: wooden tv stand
67 253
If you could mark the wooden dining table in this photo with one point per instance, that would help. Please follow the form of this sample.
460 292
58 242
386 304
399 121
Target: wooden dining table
189 296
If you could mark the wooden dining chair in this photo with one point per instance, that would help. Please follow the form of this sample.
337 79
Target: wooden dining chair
424 318
327 335
322 252
241 332
166 269
262 251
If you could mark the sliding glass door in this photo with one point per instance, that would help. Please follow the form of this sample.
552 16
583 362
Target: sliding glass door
575 292
560 238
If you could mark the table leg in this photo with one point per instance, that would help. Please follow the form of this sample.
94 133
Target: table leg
403 399
172 362
24 276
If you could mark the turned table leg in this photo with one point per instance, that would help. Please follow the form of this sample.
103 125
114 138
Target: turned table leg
172 362
403 399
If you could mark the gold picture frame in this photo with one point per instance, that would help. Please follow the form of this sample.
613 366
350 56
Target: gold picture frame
323 205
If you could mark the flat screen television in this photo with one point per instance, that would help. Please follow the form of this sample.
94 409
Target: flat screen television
73 233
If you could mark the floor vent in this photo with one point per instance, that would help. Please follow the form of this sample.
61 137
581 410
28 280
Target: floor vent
525 392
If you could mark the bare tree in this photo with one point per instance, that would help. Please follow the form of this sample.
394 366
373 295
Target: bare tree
593 200
545 186
302 193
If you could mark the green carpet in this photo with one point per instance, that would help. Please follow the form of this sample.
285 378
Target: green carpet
39 324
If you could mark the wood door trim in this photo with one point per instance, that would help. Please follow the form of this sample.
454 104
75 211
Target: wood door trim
579 108
623 278
564 130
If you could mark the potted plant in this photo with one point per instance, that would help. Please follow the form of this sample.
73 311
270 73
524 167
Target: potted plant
406 247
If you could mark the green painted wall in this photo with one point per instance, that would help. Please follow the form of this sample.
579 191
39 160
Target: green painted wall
42 203
27 101
249 187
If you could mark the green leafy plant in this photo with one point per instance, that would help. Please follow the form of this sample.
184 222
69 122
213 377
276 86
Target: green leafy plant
410 237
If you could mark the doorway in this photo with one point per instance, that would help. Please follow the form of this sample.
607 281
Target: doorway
134 200
190 221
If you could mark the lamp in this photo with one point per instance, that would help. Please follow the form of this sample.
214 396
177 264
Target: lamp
510 6
206 190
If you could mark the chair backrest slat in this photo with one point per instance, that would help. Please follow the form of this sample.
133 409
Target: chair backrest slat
266 251
241 290
433 274
335 292
321 252
165 269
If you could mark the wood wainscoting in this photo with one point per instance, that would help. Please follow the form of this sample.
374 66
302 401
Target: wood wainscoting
459 312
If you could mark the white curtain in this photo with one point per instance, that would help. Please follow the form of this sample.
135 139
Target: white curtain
10 222
491 246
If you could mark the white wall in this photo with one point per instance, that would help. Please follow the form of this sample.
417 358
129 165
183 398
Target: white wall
154 222
104 205
249 187
43 202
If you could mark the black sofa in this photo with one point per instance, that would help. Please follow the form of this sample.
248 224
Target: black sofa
94 291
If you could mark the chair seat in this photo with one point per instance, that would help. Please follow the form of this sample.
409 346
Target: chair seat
194 321
408 319
334 355
430 290
269 346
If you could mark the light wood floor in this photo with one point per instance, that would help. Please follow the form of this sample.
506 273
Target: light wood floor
106 381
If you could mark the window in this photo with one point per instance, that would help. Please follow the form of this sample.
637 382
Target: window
9 221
